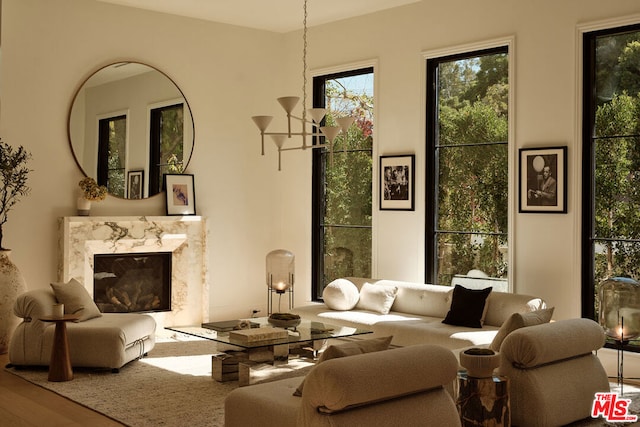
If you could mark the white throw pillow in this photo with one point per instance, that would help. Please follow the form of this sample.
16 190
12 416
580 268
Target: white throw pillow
377 298
341 294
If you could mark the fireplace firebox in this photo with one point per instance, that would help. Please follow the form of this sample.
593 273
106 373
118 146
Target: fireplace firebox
132 282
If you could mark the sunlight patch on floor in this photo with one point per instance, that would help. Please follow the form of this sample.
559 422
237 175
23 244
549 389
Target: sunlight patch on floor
199 365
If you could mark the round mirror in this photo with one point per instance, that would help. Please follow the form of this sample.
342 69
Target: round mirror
129 125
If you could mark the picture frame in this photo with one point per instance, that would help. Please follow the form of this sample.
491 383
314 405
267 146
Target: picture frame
135 184
397 182
543 180
180 193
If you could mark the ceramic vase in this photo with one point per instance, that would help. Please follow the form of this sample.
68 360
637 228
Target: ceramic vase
12 284
84 206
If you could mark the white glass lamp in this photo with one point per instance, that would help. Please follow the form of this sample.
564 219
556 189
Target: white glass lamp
619 315
620 308
280 273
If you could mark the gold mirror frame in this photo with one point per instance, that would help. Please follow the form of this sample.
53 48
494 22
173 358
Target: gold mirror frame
125 86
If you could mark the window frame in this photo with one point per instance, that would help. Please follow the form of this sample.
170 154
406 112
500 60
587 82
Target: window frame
102 162
156 181
588 39
432 59
319 181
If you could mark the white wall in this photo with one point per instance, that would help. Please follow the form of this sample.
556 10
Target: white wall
229 73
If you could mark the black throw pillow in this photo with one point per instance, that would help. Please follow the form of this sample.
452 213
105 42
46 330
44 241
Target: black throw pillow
467 306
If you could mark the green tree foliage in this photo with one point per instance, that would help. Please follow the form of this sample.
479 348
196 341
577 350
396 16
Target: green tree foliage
473 166
172 139
116 157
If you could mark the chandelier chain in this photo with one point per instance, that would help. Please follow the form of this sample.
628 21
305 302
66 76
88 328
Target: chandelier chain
304 64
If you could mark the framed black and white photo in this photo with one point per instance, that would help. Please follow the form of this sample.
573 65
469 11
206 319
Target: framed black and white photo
543 180
135 184
181 196
397 181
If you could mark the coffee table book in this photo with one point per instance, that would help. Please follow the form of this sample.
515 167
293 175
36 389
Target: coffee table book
226 325
258 334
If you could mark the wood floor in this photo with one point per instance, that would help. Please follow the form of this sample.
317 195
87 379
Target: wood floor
23 404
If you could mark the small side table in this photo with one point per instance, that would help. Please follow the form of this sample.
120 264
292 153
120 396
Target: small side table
60 363
483 401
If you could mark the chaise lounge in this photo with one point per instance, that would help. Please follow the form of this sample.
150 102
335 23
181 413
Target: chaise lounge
98 340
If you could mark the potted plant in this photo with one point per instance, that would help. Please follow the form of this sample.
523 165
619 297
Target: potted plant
13 173
90 192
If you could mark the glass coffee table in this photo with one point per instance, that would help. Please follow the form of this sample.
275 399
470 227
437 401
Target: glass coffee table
237 355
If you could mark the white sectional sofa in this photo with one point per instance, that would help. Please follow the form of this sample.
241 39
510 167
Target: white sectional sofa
413 313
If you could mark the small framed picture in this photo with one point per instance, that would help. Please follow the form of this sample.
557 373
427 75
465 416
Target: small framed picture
181 196
397 182
135 184
543 180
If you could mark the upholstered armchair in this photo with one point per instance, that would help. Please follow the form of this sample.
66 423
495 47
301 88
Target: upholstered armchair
403 386
553 371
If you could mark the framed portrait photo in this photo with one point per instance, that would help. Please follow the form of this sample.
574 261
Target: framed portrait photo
543 180
397 182
181 196
135 184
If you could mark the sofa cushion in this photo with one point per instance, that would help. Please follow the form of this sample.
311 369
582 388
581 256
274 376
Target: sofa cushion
378 298
467 307
76 300
520 320
341 294
350 349
422 299
355 347
502 304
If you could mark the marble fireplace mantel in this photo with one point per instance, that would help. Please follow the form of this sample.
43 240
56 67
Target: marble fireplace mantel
82 237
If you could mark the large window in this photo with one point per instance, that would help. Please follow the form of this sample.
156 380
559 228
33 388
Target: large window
342 188
467 169
112 151
611 160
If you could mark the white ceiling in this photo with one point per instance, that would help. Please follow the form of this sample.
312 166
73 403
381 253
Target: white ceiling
272 15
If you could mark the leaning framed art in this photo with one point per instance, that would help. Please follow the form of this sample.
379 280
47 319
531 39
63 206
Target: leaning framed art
135 184
543 180
181 196
397 182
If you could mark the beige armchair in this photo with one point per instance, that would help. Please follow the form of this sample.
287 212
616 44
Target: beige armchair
553 371
108 341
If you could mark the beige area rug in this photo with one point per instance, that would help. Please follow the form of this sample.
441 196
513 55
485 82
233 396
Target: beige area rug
170 387
173 387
